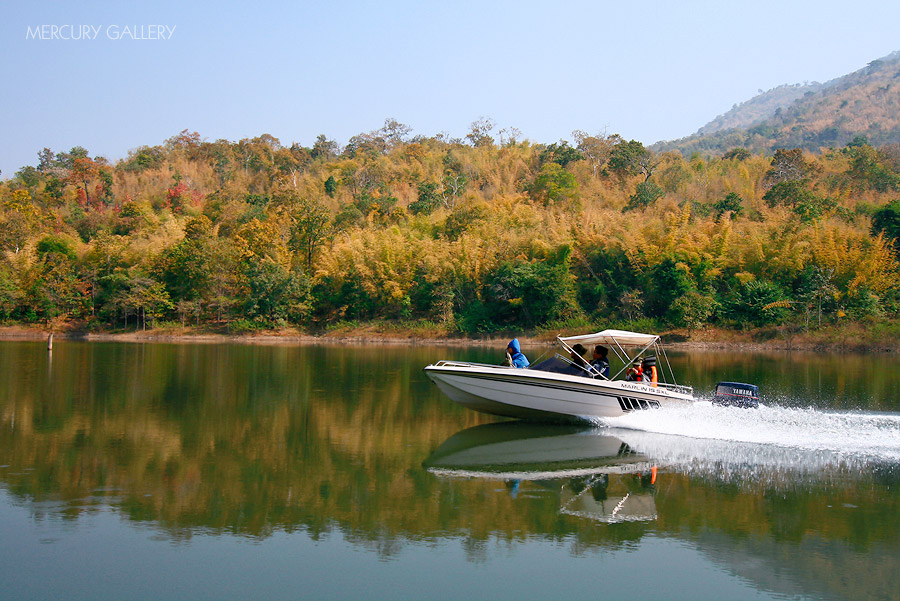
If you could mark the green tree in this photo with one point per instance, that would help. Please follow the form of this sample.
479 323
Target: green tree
645 194
49 246
758 303
104 256
562 154
53 286
738 154
693 310
554 186
185 267
189 309
525 293
886 221
150 299
869 171
324 148
631 303
141 296
310 225
273 293
667 281
800 199
331 186
11 295
732 203
143 158
631 158
817 288
428 199
29 176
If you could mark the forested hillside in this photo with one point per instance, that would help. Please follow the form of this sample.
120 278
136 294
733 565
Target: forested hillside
810 116
465 236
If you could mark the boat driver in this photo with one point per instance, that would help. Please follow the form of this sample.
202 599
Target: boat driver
635 372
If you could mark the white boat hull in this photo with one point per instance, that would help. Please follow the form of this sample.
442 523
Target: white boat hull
534 394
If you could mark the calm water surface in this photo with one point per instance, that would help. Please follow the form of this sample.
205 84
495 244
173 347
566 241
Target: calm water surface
153 471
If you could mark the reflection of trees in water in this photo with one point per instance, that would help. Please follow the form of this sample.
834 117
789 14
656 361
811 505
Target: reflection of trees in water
252 440
239 439
851 508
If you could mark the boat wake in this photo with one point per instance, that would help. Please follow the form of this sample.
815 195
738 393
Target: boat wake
773 431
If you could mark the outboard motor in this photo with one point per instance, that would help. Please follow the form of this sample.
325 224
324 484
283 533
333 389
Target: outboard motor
736 394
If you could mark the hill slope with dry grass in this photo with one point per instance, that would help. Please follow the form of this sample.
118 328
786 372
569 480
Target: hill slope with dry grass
862 104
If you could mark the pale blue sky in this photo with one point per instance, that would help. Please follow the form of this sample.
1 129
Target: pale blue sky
646 70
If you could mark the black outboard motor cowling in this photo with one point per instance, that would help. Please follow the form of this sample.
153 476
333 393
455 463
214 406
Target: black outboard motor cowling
736 394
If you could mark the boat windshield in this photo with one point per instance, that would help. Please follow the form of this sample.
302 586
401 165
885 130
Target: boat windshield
559 365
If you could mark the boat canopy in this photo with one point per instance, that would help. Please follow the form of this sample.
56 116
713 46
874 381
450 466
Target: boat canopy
619 337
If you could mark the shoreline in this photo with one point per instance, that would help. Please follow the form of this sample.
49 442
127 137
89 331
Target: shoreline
709 341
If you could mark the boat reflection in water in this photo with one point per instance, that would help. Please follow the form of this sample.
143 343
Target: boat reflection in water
609 474
596 475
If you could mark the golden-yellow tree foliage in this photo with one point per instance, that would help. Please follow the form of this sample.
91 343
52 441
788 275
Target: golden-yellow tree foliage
384 262
264 240
770 248
855 259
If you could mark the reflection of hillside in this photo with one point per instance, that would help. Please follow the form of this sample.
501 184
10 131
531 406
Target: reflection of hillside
250 440
814 567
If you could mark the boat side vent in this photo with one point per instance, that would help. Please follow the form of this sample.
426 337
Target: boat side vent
628 404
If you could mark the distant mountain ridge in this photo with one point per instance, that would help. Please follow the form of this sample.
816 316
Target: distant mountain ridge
759 108
810 115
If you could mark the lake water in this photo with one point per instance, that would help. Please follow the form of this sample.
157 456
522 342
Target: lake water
168 471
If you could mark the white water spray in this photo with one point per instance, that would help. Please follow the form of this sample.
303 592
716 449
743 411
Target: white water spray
763 442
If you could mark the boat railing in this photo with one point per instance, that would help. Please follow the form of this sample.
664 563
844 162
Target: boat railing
449 363
679 388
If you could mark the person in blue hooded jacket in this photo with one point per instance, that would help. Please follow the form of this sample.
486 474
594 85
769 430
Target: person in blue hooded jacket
514 354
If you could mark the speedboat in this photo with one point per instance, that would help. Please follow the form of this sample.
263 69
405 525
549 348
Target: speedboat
565 387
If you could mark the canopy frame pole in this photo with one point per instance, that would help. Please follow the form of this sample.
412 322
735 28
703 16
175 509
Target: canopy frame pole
669 364
622 354
589 369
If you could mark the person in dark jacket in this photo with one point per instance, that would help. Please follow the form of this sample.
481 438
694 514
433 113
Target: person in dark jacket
600 362
514 354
